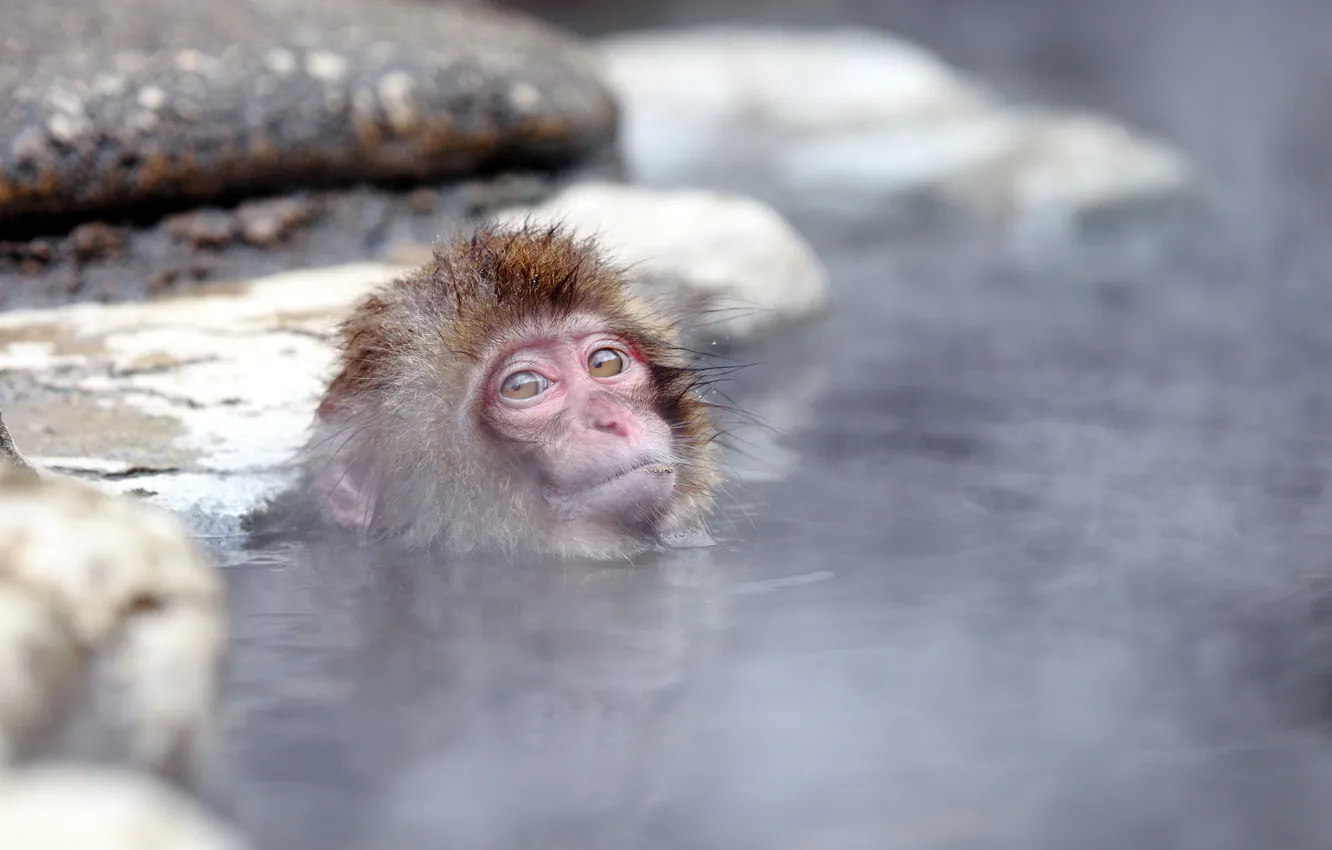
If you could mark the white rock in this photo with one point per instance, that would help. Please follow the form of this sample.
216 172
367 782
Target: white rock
231 374
847 117
1062 163
92 580
38 664
165 673
762 79
61 807
96 557
741 260
897 159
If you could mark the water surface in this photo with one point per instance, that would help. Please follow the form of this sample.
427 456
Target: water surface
1037 562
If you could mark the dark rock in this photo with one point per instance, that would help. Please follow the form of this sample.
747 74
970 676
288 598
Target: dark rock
268 222
423 201
159 282
95 241
207 228
35 251
481 198
9 452
201 269
116 104
324 227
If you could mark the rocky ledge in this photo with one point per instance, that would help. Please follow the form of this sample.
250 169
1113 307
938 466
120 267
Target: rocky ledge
117 105
146 145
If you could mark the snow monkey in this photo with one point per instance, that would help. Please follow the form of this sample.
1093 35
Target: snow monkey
517 395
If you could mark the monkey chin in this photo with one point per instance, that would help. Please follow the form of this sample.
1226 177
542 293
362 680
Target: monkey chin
619 515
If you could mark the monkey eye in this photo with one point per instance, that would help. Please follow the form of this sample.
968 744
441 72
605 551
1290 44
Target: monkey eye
524 385
606 363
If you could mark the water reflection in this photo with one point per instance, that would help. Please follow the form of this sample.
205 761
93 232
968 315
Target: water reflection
404 697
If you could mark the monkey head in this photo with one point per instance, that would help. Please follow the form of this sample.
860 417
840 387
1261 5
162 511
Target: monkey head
514 395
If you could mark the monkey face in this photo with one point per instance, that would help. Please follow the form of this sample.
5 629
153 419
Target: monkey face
513 395
579 410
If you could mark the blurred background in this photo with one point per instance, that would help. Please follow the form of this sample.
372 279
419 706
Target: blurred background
1234 82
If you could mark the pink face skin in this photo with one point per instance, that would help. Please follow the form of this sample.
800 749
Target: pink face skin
585 401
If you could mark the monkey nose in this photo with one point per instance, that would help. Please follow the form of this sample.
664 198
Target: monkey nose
610 418
611 424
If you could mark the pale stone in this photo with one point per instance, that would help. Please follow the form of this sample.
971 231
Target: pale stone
164 676
397 93
97 557
743 268
211 393
325 66
846 118
93 579
66 807
898 159
38 663
1066 162
791 80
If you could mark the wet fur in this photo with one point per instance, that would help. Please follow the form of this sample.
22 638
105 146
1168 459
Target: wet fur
402 412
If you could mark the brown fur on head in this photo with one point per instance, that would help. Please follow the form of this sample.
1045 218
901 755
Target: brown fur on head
409 441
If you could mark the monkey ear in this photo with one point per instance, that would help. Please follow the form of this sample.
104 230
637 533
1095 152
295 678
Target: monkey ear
347 504
340 478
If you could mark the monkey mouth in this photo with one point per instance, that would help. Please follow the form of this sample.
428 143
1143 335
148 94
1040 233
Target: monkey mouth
652 469
636 496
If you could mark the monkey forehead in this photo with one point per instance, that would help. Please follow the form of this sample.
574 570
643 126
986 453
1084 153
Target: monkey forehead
501 279
481 332
550 330
526 309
